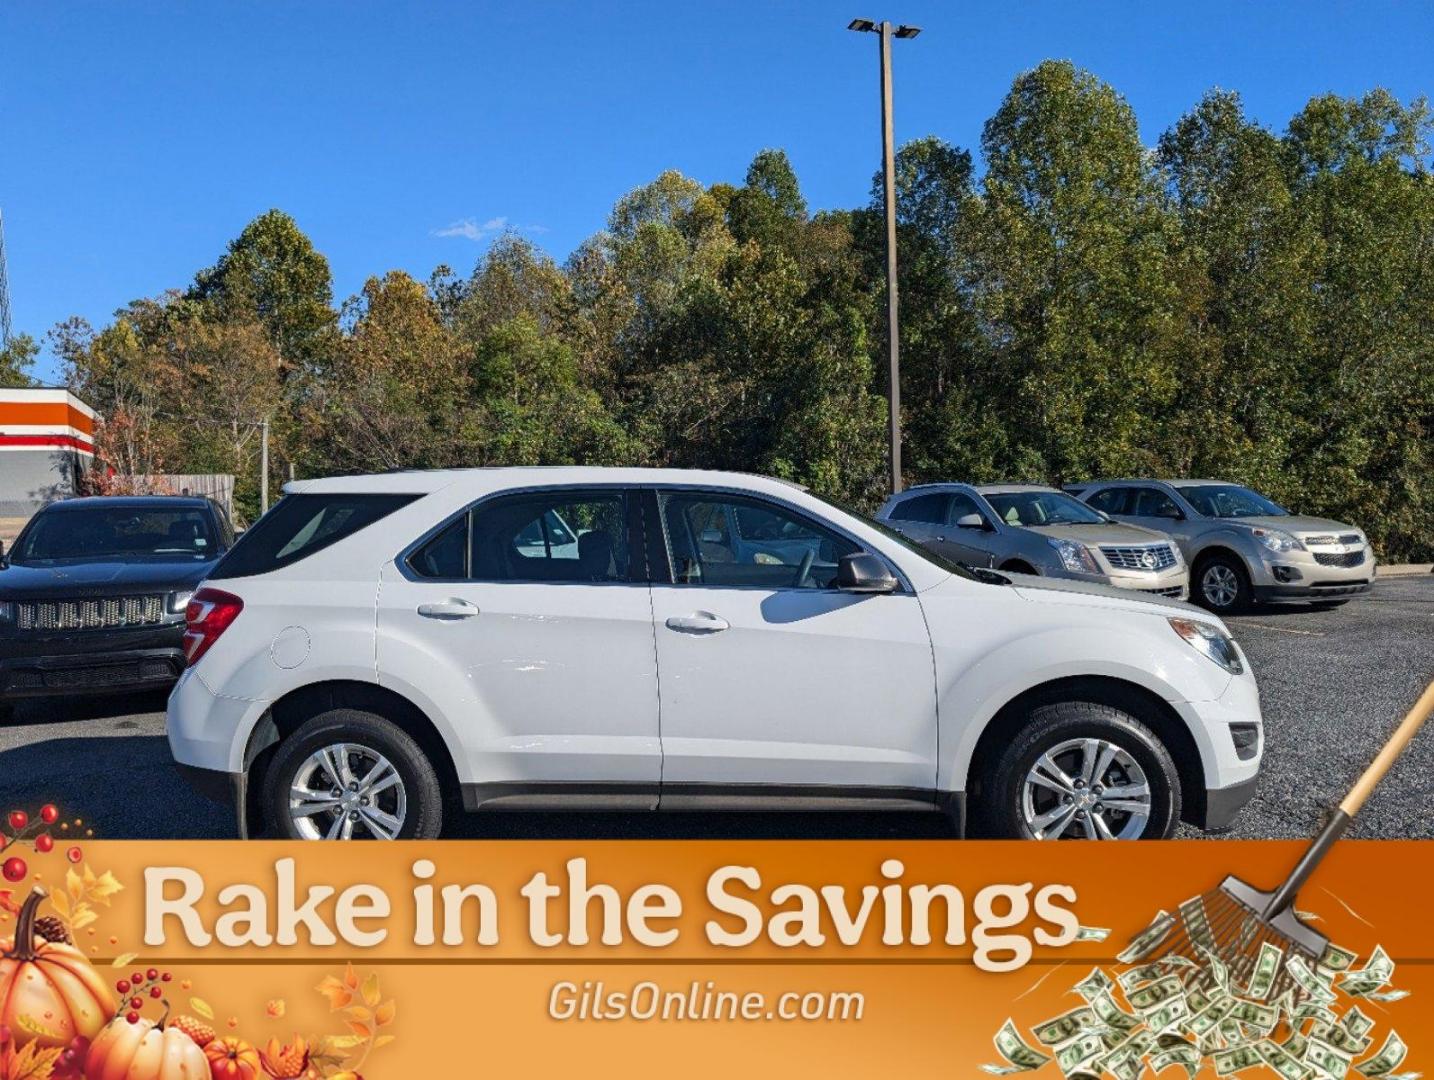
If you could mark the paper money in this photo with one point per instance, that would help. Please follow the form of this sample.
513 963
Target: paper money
1263 1017
1094 985
1112 1015
1187 1056
1149 939
1235 1059
1092 933
1355 1022
1336 959
1021 1057
1217 969
1387 995
1209 1018
1168 1015
1278 1058
1072 1056
1327 1059
1373 976
1340 1037
1152 996
1267 966
1197 923
1391 1055
1308 981
1065 1027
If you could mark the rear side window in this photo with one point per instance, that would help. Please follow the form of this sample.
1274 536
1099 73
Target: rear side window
928 509
301 525
560 535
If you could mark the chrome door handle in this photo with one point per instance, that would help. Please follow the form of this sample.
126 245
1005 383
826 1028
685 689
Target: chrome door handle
942 539
448 609
699 622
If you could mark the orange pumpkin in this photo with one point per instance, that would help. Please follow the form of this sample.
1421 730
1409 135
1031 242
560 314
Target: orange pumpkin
49 994
144 1051
231 1058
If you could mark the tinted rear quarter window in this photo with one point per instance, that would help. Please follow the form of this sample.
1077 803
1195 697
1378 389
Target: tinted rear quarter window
928 509
301 525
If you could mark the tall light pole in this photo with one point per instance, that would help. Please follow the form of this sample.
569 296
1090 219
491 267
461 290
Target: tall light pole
886 32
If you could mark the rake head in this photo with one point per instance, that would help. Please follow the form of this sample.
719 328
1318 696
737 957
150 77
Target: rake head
1231 924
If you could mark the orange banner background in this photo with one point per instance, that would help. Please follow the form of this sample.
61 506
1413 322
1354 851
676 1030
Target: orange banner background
465 1010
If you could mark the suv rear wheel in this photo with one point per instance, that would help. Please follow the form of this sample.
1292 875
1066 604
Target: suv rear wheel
351 775
1079 770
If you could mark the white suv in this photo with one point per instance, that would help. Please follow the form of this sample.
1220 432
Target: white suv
379 650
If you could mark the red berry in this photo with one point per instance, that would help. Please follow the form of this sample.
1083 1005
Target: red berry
136 1003
74 854
14 869
44 843
132 1017
155 991
19 819
152 974
49 813
122 986
137 978
166 977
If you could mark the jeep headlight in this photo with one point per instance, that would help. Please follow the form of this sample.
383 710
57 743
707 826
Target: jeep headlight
1074 557
1277 540
1213 642
178 601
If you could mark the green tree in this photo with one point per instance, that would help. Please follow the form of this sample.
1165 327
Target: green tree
17 357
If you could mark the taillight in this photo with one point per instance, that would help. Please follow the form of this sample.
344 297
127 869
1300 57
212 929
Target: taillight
208 614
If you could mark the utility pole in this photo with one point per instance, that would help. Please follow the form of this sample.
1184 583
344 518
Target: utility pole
264 465
886 32
4 291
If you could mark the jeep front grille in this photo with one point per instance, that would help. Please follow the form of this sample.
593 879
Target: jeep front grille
103 613
1135 558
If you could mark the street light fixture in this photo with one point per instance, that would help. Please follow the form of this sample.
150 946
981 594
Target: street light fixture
888 152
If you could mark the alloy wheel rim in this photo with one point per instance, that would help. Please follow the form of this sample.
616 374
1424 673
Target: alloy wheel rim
347 791
1220 585
1086 789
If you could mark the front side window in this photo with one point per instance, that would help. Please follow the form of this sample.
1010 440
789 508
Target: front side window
923 509
1229 501
1109 501
1036 508
117 532
962 505
730 540
551 536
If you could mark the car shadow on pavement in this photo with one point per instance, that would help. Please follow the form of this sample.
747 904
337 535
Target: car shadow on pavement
58 710
123 788
683 825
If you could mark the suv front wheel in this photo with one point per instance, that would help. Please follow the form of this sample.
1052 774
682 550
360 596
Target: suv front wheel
1221 585
351 775
1079 770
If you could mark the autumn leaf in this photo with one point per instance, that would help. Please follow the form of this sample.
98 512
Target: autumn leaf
363 1031
202 1007
276 1008
351 979
338 994
123 959
359 1013
371 994
33 1063
383 1040
7 902
385 1013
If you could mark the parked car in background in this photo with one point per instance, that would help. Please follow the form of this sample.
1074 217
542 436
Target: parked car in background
377 648
1032 529
1242 548
93 592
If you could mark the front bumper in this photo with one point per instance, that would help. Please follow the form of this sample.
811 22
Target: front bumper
1173 581
1222 804
89 662
1314 574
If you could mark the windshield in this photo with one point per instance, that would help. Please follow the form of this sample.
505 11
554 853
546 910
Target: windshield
1041 508
938 561
1229 501
104 532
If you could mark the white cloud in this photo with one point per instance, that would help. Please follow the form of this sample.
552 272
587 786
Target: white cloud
472 229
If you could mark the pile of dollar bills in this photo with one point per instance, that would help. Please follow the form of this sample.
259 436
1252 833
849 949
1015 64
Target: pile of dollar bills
1191 1011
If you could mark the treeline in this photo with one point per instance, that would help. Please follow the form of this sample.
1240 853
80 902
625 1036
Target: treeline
1234 303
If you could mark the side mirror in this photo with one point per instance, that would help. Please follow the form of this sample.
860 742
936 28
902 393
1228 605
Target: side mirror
864 573
970 521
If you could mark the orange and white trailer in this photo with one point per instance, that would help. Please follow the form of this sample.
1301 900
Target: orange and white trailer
47 444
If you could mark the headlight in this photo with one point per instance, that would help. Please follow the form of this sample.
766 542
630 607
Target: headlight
7 611
178 601
1215 644
1276 540
1074 557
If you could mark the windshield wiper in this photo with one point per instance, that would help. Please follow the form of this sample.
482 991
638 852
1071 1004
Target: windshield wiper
980 573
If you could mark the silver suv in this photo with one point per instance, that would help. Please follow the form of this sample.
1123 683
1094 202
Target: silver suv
1032 529
1243 549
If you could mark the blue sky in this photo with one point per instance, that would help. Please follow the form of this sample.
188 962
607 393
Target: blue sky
136 139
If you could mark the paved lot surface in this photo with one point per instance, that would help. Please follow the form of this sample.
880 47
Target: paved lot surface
1334 684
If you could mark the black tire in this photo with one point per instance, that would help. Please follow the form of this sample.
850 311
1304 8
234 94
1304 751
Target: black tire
1016 567
422 818
1221 568
1001 811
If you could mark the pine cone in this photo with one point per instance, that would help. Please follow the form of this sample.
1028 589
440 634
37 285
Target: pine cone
52 929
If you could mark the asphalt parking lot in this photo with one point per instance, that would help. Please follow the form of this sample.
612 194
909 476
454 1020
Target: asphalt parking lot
1334 684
